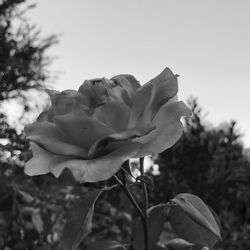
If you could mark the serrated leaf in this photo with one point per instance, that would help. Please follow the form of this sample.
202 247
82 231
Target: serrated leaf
106 245
192 220
80 223
178 244
156 220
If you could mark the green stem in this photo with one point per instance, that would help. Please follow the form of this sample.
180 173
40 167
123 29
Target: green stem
130 196
141 212
145 207
145 191
133 201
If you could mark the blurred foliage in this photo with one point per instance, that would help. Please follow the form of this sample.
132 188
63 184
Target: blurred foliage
208 162
23 60
23 66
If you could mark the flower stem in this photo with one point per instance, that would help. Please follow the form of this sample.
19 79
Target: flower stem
141 212
130 196
145 207
133 201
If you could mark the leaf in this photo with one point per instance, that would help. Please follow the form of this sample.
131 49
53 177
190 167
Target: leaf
192 220
178 243
80 223
37 222
25 196
106 245
156 220
216 217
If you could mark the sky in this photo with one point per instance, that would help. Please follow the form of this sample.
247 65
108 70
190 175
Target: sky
206 42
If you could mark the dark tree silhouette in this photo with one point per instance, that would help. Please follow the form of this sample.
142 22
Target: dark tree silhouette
209 162
23 67
23 60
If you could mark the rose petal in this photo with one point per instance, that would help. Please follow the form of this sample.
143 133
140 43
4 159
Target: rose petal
142 98
127 83
48 136
81 131
98 169
171 112
95 92
152 95
43 117
115 114
65 102
168 129
166 87
129 134
40 162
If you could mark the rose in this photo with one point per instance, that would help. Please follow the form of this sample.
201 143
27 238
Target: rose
94 130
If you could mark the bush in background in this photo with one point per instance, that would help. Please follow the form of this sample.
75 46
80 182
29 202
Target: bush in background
210 162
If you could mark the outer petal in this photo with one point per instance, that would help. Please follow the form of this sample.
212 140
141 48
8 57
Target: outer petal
98 169
141 100
81 131
43 117
48 136
115 114
152 95
117 138
168 129
39 164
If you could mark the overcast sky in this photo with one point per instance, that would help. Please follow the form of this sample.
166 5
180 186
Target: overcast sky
206 42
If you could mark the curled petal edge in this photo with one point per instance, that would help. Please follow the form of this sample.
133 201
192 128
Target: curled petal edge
168 130
99 169
94 170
